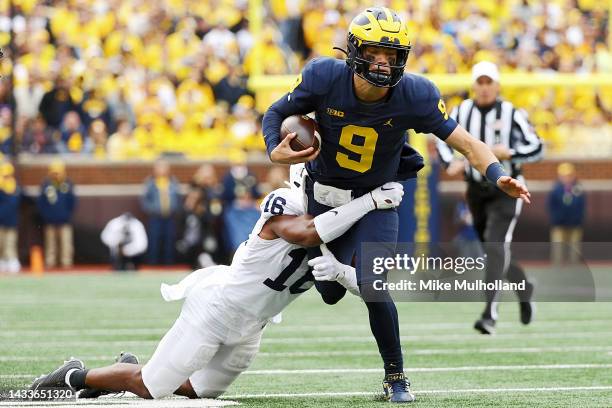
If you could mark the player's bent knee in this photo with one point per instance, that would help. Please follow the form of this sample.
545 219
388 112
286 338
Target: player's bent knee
331 298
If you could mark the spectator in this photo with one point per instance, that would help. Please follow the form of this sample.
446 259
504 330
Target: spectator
121 109
239 178
73 134
28 96
161 202
95 107
126 238
39 138
276 178
56 205
202 208
10 197
6 140
57 102
567 207
122 145
231 87
240 217
96 142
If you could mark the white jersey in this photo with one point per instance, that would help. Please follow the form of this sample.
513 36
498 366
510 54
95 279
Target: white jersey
266 275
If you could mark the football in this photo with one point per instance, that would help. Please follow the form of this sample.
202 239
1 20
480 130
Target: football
306 129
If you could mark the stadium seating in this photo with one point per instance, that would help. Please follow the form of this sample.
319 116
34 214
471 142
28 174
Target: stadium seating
176 71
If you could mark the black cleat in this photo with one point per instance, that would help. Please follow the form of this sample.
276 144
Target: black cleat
397 388
123 357
485 326
528 307
57 378
127 358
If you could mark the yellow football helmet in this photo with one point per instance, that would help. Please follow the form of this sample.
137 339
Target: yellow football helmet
379 27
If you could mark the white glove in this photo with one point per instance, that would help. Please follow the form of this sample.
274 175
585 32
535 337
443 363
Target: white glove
327 268
387 196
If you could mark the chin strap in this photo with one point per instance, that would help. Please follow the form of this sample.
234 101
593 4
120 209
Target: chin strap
345 52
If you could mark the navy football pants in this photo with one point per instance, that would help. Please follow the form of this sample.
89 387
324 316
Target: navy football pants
379 226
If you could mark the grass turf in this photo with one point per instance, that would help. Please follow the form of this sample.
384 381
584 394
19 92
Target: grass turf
44 320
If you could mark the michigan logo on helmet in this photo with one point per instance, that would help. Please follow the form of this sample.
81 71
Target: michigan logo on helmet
377 27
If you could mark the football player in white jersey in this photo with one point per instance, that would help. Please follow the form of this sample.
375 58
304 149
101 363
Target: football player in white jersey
226 308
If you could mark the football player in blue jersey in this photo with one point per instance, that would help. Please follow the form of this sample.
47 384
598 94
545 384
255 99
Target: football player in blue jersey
364 107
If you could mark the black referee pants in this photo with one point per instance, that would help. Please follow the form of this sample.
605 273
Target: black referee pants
495 215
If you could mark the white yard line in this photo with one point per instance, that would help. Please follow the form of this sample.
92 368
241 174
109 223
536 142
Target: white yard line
84 332
438 337
288 326
99 330
335 339
349 353
124 401
417 392
430 369
409 370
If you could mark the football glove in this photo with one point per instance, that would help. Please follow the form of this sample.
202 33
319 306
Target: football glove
387 196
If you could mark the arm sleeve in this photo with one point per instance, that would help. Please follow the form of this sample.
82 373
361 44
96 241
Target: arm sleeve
433 118
301 99
445 152
525 144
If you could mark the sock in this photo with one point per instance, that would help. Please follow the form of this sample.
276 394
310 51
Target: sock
76 379
395 367
385 328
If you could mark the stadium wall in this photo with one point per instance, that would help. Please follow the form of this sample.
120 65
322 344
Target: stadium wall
106 190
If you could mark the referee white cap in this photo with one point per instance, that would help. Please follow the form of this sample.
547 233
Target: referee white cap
485 68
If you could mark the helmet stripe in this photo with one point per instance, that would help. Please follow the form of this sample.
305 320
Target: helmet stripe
388 15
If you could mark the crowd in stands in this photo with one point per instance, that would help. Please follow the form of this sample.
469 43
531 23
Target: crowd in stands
134 79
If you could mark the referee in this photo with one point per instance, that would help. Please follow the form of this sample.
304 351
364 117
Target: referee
513 140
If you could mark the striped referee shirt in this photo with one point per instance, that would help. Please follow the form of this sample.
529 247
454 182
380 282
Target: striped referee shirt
501 124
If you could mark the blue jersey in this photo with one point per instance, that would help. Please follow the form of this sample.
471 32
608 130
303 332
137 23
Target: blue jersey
361 142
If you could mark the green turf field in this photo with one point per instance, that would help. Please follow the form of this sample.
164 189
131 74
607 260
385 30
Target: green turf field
322 355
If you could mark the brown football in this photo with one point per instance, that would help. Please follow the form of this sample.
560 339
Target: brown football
306 129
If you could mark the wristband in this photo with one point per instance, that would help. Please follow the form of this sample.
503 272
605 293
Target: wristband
495 171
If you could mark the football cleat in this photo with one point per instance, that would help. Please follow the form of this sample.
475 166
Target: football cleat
123 357
527 307
397 388
57 378
485 326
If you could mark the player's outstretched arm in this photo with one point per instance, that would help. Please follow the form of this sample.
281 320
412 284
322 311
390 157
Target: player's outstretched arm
482 159
308 231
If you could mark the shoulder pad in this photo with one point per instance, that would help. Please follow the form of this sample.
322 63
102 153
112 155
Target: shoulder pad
320 73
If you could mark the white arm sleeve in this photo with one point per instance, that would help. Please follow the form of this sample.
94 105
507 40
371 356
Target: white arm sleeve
333 223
